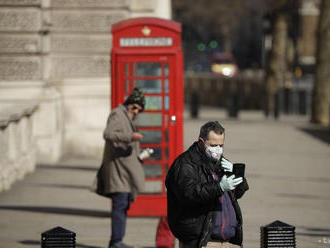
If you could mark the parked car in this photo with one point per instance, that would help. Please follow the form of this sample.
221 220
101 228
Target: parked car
224 64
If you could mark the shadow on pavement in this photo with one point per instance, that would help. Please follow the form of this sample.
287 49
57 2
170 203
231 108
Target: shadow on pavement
60 210
65 186
67 167
290 178
304 196
320 133
38 243
314 232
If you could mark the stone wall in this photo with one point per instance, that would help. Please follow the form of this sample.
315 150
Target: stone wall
58 53
79 44
23 71
17 143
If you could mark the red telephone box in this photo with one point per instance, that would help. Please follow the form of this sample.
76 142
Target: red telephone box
146 53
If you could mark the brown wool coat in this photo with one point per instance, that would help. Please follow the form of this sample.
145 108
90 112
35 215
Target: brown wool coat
121 170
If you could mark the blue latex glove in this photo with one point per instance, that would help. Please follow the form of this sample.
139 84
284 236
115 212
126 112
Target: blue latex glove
226 165
230 183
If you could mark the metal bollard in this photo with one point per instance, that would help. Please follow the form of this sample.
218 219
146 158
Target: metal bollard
58 237
194 105
277 234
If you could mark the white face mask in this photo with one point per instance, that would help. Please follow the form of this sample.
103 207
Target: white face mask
214 152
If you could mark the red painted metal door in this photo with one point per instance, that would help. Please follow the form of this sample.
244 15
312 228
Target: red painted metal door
154 75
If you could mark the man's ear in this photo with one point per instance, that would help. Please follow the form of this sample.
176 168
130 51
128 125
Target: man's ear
201 143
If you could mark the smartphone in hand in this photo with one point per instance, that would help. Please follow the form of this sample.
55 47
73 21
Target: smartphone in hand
239 170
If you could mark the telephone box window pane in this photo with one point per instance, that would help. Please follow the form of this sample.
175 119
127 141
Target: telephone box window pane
149 86
148 69
126 87
152 170
157 155
151 136
153 103
166 86
126 69
167 102
149 120
166 135
166 69
153 187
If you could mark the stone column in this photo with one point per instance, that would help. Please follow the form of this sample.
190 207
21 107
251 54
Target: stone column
309 13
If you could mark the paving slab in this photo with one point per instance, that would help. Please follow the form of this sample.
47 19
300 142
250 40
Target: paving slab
288 170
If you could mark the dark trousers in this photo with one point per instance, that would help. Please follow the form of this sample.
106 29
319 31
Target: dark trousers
120 205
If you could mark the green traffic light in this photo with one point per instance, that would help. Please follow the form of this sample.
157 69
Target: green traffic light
201 47
213 44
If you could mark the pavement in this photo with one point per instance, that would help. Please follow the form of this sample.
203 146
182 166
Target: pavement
287 167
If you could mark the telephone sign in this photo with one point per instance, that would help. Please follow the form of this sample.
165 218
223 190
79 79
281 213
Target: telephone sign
146 53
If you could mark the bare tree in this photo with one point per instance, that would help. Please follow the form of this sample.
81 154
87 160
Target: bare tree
277 64
321 92
277 60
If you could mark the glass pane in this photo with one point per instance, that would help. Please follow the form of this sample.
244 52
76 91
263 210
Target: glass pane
149 86
148 69
153 103
166 86
152 170
166 169
166 153
151 136
149 120
157 155
166 69
126 87
126 69
167 102
153 187
166 135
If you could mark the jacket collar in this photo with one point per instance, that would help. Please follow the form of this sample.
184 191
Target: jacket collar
125 111
196 154
198 157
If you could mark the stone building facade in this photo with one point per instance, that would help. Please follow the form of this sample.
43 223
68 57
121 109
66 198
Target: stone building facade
57 52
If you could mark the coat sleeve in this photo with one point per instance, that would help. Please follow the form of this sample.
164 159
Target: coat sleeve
191 191
241 189
114 130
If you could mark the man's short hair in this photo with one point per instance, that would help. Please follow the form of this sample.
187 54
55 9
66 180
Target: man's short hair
214 126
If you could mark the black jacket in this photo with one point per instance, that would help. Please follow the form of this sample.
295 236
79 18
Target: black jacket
193 197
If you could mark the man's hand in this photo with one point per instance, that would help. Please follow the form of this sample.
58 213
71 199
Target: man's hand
137 136
230 183
226 165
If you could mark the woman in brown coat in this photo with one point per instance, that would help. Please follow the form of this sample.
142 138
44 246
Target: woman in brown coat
121 171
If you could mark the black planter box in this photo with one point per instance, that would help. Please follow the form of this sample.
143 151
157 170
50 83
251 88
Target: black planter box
277 235
58 237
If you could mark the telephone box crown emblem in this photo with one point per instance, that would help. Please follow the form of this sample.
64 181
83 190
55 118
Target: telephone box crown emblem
146 31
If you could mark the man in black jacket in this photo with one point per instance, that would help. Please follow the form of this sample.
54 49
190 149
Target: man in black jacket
202 197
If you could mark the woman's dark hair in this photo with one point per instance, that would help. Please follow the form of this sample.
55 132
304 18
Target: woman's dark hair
214 126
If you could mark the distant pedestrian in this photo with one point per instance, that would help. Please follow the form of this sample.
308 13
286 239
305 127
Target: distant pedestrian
202 200
121 172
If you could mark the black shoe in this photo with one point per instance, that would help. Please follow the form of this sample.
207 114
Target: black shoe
120 245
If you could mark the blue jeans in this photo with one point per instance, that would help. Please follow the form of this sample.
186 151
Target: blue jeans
120 205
